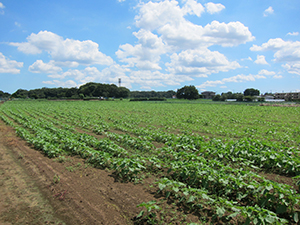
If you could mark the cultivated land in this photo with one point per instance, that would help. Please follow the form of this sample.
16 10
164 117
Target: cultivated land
174 162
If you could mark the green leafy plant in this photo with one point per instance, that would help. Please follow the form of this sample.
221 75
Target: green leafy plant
56 179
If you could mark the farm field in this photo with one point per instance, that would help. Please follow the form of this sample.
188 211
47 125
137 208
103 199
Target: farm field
178 162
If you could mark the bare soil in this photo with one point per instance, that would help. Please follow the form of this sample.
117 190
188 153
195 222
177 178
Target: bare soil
37 190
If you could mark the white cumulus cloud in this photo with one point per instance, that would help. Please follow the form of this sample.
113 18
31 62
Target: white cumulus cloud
268 11
200 63
92 74
64 50
285 51
187 35
156 78
293 33
266 72
167 18
165 32
59 83
234 79
192 7
40 67
292 67
261 60
213 7
146 54
153 15
9 66
1 8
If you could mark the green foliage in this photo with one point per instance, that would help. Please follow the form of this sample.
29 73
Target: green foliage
86 90
150 214
4 95
187 92
249 98
217 98
56 179
206 158
20 93
152 94
251 92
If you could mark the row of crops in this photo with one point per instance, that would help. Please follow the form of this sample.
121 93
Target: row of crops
207 159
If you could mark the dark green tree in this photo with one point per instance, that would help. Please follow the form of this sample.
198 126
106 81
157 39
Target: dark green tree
149 94
239 97
248 98
4 94
251 92
72 92
123 92
217 98
187 92
20 93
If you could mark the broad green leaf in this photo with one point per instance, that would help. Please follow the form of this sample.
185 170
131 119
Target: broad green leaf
233 215
296 217
176 189
140 214
269 187
247 222
191 199
220 211
161 186
270 219
168 194
281 209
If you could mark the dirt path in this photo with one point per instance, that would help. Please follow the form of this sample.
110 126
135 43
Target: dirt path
37 190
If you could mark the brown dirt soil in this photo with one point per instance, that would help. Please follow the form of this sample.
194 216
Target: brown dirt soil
280 105
37 190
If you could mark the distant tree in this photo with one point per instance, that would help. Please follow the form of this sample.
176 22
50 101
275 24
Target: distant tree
81 96
217 98
168 94
187 92
72 92
20 93
261 99
269 93
113 90
239 97
123 92
248 98
224 98
251 92
4 94
149 94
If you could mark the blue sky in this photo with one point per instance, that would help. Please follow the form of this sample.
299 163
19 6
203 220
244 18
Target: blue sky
151 45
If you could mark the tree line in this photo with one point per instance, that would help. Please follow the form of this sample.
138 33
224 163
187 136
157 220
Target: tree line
191 92
248 95
4 95
95 90
86 91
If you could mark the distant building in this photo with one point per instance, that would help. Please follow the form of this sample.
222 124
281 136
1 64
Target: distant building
267 97
208 94
288 96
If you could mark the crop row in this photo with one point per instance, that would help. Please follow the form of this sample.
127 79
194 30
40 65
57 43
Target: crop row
195 171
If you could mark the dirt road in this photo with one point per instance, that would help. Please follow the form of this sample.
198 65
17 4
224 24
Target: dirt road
37 190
